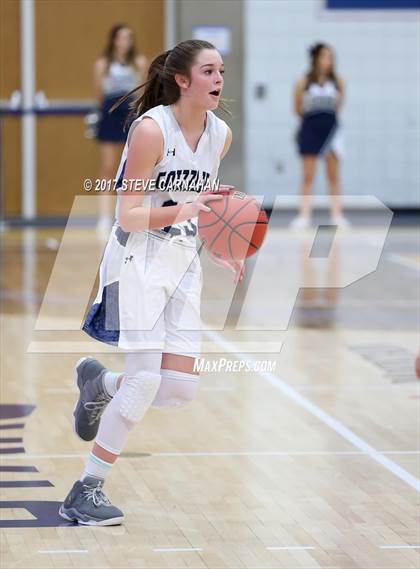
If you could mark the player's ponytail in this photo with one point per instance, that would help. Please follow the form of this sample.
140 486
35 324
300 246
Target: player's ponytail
161 87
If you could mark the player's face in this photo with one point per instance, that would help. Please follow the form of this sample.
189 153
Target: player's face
324 62
123 40
206 84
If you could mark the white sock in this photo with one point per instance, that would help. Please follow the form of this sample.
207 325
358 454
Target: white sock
96 467
110 382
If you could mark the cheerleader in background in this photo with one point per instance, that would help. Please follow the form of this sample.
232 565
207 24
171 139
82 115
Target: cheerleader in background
119 70
318 100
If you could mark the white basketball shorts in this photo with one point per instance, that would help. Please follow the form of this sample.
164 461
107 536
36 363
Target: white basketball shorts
159 295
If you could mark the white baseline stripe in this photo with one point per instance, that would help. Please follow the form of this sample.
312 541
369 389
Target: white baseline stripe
22 456
289 548
176 549
334 424
399 547
63 551
284 453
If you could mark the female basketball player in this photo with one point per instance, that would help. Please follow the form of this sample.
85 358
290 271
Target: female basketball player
150 276
119 70
318 99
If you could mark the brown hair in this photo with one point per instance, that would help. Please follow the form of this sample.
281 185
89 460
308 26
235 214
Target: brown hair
109 51
161 87
312 75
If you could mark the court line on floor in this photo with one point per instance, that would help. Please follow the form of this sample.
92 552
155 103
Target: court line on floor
282 453
288 547
221 454
399 547
324 417
175 549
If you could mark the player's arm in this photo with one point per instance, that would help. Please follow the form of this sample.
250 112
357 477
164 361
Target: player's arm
340 98
298 96
145 151
99 70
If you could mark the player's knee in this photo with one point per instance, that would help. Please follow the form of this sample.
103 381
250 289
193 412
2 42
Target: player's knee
177 390
137 394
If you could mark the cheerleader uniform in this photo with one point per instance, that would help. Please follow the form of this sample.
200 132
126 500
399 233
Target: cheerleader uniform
318 133
150 281
120 80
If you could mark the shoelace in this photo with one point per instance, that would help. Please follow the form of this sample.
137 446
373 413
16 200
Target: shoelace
96 408
96 494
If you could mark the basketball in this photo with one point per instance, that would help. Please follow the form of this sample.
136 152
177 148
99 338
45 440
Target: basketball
235 227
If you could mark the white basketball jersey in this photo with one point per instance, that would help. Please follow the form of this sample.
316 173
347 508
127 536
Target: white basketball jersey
181 174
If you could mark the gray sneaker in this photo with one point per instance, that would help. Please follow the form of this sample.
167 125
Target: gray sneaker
87 504
92 400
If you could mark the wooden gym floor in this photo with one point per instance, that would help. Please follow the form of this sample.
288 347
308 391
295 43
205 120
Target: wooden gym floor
311 461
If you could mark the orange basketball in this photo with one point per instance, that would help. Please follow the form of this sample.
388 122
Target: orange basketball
235 227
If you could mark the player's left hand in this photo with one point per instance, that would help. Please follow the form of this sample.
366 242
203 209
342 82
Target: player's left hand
237 267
